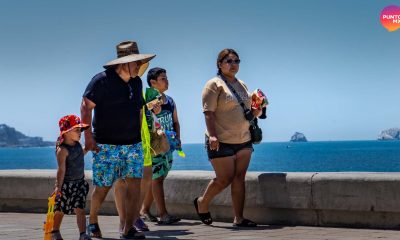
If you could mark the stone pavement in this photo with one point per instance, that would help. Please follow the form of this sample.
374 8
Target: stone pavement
29 226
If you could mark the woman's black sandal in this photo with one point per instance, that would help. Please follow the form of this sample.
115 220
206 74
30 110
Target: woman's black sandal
245 223
204 217
94 230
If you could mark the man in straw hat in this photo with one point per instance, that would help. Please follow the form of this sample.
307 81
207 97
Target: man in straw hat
115 95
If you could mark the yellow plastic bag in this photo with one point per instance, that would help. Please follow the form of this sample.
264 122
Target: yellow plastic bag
146 141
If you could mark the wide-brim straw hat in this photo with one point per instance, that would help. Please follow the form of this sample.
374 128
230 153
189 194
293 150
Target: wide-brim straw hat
127 52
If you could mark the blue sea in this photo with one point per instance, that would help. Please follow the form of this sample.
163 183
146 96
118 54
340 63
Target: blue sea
332 156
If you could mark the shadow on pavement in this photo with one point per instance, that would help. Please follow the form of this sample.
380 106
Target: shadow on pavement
259 227
181 223
167 234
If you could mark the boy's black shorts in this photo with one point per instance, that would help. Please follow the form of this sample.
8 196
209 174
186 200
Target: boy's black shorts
226 149
73 195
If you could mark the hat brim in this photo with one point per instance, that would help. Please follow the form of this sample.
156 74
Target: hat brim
144 58
83 127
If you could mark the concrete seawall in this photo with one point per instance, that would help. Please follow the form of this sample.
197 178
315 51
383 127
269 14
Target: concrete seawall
316 199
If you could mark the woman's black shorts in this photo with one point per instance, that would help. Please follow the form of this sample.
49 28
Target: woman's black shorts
226 149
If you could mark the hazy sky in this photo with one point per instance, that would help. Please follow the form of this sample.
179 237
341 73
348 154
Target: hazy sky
329 68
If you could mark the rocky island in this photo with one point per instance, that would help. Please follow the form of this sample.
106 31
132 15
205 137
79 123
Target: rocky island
390 134
298 137
9 137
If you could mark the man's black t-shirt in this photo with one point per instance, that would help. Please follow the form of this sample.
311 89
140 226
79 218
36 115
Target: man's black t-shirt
116 117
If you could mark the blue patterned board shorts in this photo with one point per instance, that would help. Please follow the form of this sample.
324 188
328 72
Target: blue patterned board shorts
161 164
115 162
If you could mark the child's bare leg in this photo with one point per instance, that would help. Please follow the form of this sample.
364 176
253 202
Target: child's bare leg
80 219
58 216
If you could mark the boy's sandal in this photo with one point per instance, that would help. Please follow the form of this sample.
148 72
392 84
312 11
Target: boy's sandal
94 230
245 223
169 219
133 234
148 217
204 217
56 235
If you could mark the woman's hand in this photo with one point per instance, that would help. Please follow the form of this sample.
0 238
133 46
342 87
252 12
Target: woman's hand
214 143
256 112
210 122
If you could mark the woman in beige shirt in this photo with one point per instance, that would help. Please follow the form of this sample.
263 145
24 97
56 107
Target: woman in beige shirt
228 139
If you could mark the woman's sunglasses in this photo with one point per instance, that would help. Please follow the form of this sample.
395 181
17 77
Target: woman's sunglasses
231 61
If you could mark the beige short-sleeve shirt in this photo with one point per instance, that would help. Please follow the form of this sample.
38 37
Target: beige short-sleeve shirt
230 125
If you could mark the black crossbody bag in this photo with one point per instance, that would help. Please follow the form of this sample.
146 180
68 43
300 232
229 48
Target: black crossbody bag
255 130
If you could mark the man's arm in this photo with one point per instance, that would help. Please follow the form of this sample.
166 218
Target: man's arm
87 107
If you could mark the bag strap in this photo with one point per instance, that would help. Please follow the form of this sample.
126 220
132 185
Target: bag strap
241 103
234 92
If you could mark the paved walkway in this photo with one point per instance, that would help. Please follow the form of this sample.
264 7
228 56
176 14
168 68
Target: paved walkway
29 226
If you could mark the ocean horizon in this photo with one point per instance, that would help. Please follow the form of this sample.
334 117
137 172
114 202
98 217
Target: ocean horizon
318 156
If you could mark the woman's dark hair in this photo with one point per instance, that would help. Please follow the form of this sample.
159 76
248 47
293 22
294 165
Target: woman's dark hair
222 55
154 73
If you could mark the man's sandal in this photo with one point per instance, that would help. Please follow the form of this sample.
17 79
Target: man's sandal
94 230
169 219
204 217
245 223
148 217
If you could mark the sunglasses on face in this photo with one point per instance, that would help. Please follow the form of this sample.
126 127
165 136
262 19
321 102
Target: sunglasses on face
231 61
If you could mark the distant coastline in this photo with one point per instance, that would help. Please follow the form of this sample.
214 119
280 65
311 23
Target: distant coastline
390 134
10 137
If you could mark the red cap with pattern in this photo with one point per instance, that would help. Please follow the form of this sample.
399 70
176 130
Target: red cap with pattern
69 122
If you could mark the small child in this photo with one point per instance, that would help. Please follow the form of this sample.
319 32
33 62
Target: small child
259 101
161 164
70 185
